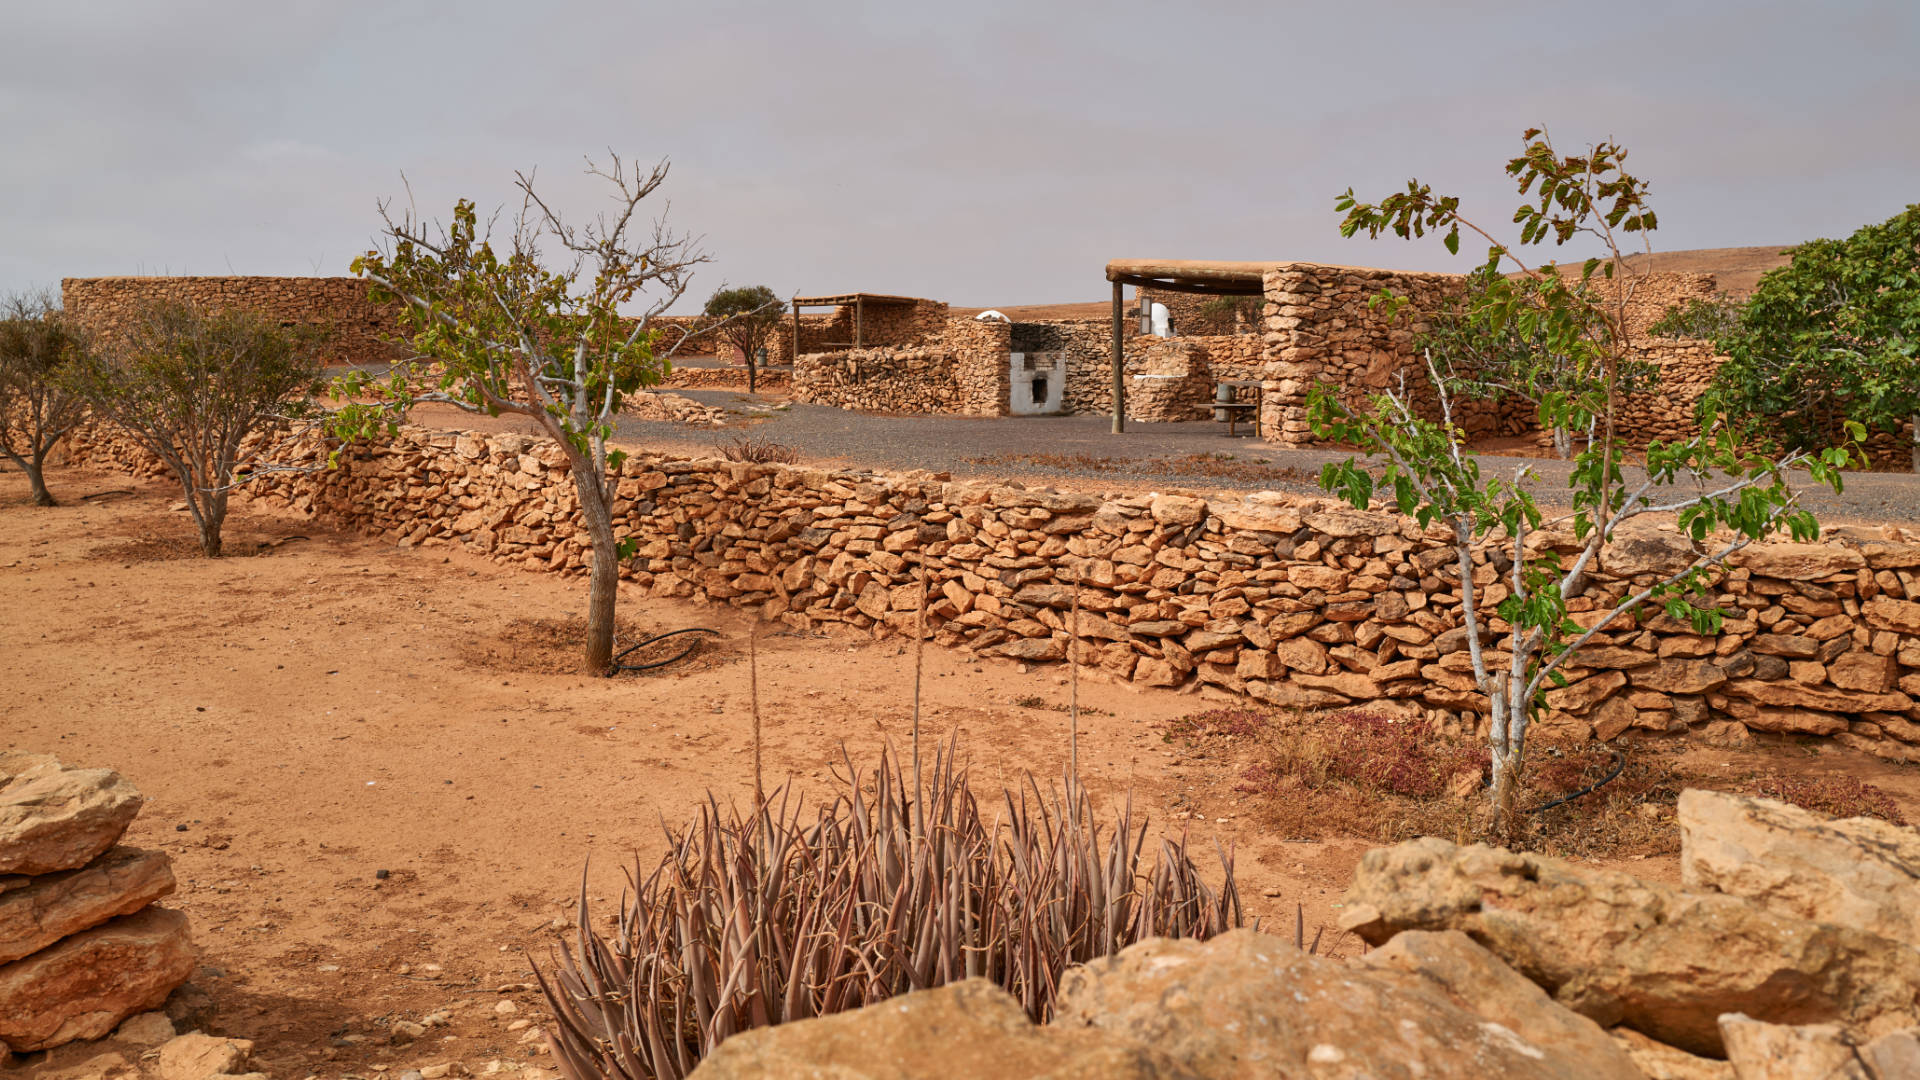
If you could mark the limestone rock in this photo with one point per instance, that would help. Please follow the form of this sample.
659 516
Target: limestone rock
1662 1062
1856 872
55 818
1761 1051
1886 613
1478 982
1798 562
1893 1055
197 1056
1618 950
1178 510
145 1029
42 910
84 986
1246 1005
969 1030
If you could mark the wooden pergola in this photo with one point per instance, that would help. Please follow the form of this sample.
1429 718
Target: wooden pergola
859 300
1172 275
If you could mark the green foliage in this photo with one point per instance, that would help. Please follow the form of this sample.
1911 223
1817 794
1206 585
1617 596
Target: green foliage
37 346
1421 467
513 330
746 318
1707 319
193 387
1832 336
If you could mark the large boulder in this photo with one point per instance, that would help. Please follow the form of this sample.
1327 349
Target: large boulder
35 912
970 1030
1856 872
1761 1051
1246 1005
1648 956
1475 979
56 818
84 986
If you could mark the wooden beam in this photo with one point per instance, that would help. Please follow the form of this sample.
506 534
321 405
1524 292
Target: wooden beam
1210 288
795 358
1119 366
859 316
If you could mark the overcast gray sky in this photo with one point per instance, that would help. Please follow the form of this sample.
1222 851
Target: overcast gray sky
981 153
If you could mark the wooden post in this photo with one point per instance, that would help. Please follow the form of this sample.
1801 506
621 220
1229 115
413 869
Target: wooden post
795 358
1119 367
859 320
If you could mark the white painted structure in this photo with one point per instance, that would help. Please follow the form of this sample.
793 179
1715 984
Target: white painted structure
1036 382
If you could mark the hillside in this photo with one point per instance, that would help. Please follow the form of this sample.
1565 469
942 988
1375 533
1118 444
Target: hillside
1737 269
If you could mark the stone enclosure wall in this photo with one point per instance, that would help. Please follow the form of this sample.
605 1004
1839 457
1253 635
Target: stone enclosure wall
1287 601
359 327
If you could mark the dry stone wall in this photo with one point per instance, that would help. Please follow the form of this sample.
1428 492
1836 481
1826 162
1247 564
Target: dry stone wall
360 328
1321 328
1279 599
962 370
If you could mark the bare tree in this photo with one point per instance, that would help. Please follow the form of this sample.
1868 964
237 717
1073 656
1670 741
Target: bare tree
515 333
193 386
37 343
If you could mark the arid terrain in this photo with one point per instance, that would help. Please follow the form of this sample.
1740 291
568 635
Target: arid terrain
380 776
306 718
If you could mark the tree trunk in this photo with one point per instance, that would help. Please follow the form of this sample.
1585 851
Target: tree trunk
37 478
1506 755
605 578
210 513
753 371
1563 443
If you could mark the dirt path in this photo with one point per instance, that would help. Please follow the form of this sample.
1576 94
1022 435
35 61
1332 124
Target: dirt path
338 707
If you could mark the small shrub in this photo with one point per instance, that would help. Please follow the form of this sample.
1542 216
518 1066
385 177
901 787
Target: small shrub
758 451
778 914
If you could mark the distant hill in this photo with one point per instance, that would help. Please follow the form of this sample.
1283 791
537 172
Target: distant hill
1736 269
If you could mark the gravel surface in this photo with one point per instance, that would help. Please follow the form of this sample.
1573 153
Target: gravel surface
1082 452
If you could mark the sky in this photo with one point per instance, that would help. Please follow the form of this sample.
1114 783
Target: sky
979 153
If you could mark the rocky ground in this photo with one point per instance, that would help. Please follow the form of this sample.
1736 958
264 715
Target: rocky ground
304 719
378 777
1786 953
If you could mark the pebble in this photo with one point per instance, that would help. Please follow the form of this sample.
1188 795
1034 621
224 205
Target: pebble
434 1072
520 1025
413 1074
506 1008
382 875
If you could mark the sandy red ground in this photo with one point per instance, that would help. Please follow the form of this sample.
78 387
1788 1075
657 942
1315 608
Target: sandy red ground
338 706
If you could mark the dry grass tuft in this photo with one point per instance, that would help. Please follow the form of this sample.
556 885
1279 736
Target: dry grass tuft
1372 776
782 913
757 451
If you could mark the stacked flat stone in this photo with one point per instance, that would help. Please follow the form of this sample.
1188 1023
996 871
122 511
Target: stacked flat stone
1272 597
81 946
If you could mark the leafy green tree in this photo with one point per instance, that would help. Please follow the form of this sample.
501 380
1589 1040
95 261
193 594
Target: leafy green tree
747 319
36 406
1516 358
199 390
1422 467
1833 336
535 328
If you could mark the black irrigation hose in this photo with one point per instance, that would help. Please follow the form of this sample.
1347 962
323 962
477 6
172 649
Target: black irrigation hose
1619 764
619 667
